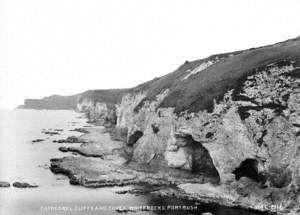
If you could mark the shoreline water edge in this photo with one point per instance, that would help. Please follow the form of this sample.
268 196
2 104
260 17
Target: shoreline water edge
88 156
103 163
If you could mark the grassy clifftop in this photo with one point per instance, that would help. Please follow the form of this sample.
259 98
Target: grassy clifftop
194 85
57 102
112 96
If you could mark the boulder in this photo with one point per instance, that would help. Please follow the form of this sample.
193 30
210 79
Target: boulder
4 184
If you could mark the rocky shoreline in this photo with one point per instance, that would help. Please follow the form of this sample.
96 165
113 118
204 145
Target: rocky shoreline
99 166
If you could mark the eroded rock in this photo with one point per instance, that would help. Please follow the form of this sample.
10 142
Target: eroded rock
71 139
37 140
87 150
24 185
81 130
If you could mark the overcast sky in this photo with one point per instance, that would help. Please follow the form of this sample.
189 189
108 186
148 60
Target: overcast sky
69 46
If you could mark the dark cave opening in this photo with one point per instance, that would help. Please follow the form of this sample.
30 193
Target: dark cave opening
155 128
134 137
202 162
248 168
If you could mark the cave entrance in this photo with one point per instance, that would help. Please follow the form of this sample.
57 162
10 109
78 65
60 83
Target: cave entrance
202 162
134 137
248 168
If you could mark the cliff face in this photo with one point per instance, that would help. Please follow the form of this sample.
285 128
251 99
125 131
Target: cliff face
244 125
101 105
54 102
234 118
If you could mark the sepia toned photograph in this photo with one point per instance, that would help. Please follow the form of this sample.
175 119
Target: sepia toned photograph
151 107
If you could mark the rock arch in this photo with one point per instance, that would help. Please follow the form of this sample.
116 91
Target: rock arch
200 159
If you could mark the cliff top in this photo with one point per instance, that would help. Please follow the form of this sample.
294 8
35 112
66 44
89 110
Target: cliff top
195 85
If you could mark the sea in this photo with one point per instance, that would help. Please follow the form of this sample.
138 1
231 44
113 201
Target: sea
24 161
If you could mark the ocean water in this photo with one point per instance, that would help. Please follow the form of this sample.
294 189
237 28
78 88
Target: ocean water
24 161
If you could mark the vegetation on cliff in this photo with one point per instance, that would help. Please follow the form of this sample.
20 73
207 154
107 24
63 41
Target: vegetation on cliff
225 72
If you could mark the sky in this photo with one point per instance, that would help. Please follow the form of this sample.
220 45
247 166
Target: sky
69 46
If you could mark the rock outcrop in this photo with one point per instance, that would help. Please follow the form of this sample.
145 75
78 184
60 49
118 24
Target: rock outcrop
71 139
24 185
100 105
4 184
